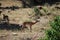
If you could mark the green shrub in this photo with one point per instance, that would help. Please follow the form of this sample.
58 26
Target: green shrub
51 35
56 24
54 32
37 12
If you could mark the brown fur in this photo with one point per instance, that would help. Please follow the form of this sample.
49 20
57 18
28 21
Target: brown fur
30 24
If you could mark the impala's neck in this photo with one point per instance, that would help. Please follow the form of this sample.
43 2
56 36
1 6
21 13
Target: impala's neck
35 22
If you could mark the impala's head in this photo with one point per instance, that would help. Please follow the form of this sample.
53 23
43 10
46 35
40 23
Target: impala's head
37 20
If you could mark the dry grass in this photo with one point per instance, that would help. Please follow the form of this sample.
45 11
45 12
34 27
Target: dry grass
21 15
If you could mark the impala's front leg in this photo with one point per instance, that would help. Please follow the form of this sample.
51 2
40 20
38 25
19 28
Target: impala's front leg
30 28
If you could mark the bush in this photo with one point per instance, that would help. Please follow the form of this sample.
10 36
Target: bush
56 24
37 12
54 32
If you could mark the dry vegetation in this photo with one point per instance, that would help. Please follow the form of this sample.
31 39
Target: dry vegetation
21 15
